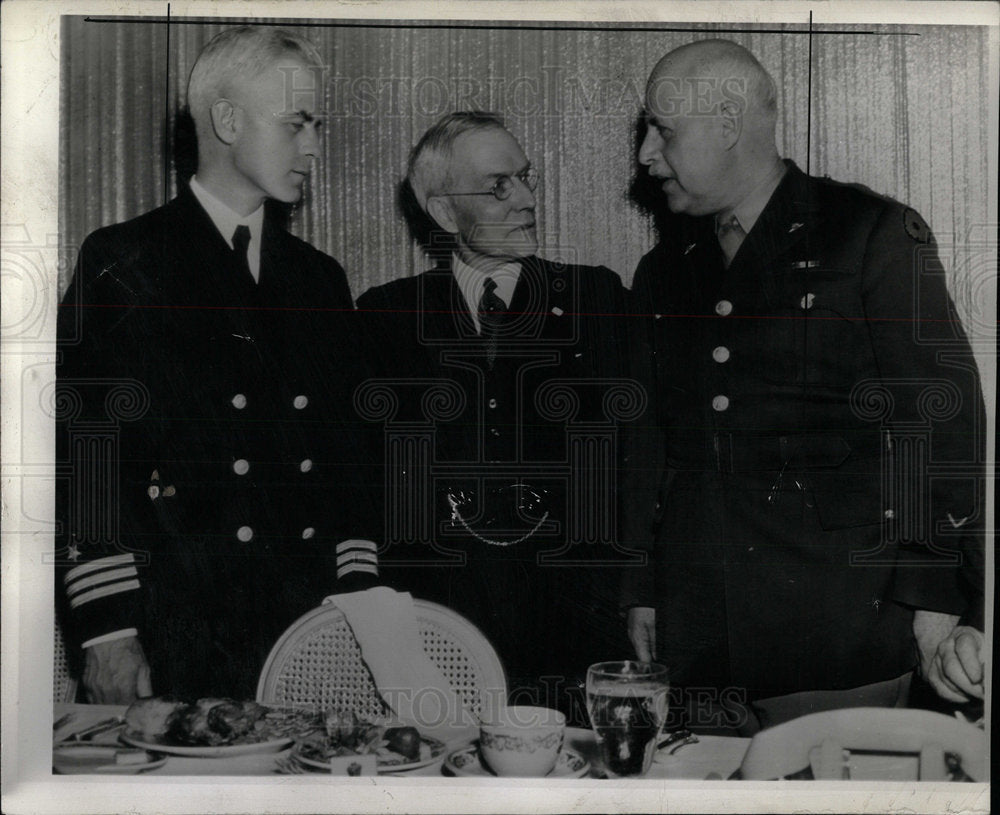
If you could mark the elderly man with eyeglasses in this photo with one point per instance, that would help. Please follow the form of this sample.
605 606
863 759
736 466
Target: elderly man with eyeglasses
496 521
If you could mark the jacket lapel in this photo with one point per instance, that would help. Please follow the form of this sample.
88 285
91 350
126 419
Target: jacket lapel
273 283
701 265
785 222
530 301
217 279
442 306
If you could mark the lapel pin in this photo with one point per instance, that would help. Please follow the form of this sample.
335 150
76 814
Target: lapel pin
688 250
557 311
807 301
795 226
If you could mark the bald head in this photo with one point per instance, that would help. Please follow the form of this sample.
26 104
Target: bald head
711 76
711 112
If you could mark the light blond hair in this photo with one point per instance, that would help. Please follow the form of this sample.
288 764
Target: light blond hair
239 54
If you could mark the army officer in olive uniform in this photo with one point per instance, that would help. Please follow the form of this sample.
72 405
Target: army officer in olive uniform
208 347
797 329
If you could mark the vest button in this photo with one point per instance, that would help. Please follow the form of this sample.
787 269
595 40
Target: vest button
720 403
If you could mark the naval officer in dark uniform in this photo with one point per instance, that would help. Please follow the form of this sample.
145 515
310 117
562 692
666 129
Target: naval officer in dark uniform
507 372
807 364
217 487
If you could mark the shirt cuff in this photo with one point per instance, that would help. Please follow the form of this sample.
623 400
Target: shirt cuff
114 635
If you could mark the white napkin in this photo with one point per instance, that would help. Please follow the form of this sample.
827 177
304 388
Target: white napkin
385 625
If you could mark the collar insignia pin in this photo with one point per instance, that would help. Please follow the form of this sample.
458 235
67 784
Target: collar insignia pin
795 226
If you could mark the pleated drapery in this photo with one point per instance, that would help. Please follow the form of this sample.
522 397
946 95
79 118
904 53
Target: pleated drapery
902 111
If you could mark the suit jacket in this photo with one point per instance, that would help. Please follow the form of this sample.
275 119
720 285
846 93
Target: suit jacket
822 422
518 453
213 460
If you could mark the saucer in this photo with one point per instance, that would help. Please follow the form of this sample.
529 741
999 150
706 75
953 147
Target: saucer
569 764
83 757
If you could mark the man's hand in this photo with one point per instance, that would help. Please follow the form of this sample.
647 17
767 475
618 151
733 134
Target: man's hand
957 670
642 632
950 656
116 672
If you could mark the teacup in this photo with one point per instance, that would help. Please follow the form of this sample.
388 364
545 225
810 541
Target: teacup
522 741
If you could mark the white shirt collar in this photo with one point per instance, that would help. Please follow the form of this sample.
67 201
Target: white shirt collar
226 221
471 283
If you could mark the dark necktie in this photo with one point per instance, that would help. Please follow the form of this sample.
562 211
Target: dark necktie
730 235
491 314
241 242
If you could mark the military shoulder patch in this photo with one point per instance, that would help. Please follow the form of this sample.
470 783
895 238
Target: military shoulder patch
915 226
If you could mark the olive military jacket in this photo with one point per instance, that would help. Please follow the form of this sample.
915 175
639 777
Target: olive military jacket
819 430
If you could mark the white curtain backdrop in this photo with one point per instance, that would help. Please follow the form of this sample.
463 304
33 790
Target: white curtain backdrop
902 110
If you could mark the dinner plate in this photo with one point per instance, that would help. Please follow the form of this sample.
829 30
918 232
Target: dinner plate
388 761
163 744
569 764
73 759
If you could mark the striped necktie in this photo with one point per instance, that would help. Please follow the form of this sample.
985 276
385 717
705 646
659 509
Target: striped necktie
492 311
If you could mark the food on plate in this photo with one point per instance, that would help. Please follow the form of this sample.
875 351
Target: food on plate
214 722
344 734
153 717
405 741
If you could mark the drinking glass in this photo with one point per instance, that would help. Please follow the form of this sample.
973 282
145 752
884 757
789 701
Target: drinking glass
627 703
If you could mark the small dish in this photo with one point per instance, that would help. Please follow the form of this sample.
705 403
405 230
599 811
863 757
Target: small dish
76 759
466 762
